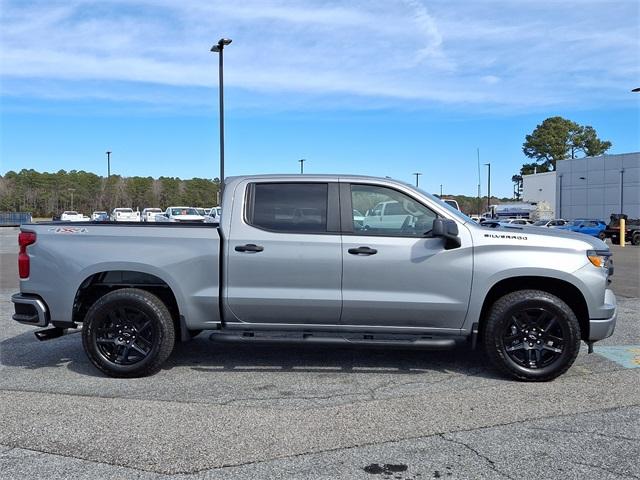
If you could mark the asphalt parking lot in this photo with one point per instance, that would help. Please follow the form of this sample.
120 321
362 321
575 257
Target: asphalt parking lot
261 412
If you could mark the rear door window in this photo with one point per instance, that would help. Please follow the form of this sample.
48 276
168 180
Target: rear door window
289 207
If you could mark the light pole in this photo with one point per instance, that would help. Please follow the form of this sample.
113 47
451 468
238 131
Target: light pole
479 207
440 190
417 174
219 48
302 160
108 164
72 190
489 189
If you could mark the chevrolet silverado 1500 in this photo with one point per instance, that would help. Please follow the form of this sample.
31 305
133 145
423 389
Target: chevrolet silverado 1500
289 263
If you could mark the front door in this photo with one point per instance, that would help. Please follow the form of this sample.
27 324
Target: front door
395 275
284 254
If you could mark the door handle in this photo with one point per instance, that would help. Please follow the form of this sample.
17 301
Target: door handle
249 247
362 251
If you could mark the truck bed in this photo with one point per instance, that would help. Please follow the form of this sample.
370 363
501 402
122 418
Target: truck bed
68 256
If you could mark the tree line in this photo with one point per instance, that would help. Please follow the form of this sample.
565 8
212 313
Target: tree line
47 194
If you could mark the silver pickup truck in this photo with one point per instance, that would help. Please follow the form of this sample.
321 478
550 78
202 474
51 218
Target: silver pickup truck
289 264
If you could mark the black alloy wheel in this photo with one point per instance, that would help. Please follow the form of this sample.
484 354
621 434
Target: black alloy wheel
125 336
531 335
534 338
128 332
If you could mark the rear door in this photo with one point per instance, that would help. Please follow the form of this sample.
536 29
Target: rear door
284 254
395 275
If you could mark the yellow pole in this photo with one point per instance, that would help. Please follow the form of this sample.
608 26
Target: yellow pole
622 231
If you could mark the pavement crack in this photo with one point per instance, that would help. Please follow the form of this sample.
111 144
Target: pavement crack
491 463
585 432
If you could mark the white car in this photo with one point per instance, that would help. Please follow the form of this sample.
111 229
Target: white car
555 223
183 214
389 214
516 221
124 215
71 216
149 214
451 202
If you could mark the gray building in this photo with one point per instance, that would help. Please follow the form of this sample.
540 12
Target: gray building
596 187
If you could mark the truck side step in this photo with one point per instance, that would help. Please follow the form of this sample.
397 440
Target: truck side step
306 338
50 333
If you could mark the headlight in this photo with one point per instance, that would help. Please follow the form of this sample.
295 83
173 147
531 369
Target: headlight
599 258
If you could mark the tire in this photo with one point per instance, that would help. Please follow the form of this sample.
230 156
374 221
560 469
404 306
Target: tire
531 335
128 333
602 236
635 239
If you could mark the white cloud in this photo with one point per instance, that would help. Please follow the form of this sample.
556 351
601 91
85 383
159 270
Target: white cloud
402 51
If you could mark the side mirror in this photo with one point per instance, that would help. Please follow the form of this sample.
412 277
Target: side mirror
447 229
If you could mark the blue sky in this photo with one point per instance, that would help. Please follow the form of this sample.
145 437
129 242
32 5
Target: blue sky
371 87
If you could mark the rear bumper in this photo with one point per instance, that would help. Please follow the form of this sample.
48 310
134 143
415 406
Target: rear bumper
601 328
30 310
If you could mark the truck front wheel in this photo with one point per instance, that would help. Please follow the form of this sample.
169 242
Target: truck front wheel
531 335
635 239
128 333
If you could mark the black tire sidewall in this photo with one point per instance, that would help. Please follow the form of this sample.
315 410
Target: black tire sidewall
497 323
163 336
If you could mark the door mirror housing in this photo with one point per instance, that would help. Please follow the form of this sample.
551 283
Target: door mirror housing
447 229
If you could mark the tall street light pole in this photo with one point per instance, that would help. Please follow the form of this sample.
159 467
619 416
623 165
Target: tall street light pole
108 164
417 174
72 190
302 160
219 48
440 190
489 188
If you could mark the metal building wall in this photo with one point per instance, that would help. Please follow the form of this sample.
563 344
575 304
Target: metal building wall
590 187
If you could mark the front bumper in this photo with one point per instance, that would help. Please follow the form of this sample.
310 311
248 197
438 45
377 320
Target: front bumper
601 328
30 310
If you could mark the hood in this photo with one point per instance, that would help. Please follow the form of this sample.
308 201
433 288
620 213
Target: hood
548 236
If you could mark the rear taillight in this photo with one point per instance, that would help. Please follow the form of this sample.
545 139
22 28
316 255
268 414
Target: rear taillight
24 240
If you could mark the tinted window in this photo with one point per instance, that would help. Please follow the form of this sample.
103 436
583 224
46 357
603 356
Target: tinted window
402 216
290 207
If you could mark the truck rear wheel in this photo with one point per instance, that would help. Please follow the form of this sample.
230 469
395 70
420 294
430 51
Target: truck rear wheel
531 335
128 333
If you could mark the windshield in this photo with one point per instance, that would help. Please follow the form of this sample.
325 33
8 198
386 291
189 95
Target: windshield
455 212
124 210
540 223
71 213
184 211
576 223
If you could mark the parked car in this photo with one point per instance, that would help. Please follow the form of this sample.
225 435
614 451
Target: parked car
183 214
214 211
388 215
102 217
527 295
516 221
451 202
98 214
358 218
71 216
125 215
632 229
555 223
149 214
595 228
